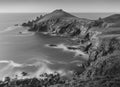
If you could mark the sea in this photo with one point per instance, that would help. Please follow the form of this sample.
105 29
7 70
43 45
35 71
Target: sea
27 52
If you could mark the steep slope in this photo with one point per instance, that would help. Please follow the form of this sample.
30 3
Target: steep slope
60 22
103 70
103 47
113 20
57 14
112 28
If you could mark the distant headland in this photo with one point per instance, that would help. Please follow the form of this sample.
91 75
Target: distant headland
98 40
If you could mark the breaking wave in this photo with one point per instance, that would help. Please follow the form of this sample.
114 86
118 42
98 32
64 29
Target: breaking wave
11 63
26 33
10 29
40 66
65 48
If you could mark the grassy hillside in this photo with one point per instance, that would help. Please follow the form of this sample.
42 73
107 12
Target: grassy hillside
114 20
60 22
57 14
101 43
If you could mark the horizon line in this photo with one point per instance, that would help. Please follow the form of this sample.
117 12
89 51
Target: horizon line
52 11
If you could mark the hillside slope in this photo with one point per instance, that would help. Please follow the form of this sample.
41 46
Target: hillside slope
57 14
60 22
103 46
114 20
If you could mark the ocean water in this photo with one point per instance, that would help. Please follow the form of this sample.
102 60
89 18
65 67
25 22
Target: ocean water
8 19
28 52
92 16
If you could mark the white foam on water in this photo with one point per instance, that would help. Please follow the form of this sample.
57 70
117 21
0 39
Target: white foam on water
44 68
10 29
76 61
11 63
4 61
8 69
25 33
38 61
64 48
13 68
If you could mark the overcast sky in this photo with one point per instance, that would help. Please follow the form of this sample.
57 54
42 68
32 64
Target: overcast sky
67 5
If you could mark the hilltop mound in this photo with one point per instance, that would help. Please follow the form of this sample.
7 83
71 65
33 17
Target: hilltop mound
62 23
101 43
113 20
57 14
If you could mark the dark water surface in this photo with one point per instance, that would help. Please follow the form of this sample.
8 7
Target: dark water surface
28 52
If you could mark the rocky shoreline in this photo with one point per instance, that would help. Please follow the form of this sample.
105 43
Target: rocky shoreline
69 48
102 67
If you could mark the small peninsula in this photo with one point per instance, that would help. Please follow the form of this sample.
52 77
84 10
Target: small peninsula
98 40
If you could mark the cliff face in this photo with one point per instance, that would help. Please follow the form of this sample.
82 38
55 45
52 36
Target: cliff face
103 45
103 66
61 23
113 20
104 72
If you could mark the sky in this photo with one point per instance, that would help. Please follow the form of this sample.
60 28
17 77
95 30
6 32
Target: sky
67 5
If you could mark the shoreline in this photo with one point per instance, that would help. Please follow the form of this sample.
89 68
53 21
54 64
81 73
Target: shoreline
68 48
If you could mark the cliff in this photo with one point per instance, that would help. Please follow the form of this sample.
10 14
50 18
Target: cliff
100 39
60 22
113 20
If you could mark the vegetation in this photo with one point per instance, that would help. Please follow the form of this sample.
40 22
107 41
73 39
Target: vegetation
48 80
101 70
103 67
31 23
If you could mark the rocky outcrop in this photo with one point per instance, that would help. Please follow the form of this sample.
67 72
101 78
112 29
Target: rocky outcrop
31 23
60 22
103 52
106 47
104 72
113 20
102 68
